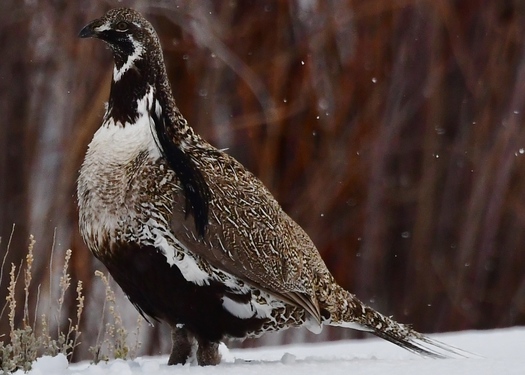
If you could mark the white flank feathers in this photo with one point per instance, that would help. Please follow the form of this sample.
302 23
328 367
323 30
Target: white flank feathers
248 310
176 254
240 310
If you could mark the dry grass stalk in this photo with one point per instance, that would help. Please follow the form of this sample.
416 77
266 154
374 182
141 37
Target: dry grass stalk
115 335
27 343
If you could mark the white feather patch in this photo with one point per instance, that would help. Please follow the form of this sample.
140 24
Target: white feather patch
186 263
137 54
103 27
240 310
120 143
248 310
351 325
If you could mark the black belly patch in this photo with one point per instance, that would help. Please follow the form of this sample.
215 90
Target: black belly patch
159 291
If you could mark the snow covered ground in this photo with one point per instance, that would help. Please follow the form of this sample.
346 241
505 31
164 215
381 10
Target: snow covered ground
498 352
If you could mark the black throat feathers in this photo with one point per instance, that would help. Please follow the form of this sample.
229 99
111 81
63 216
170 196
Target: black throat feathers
125 95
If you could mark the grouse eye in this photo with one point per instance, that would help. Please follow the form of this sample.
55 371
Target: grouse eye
122 26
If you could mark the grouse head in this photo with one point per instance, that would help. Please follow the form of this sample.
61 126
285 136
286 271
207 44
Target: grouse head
129 35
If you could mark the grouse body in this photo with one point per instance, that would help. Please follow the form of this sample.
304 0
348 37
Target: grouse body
192 237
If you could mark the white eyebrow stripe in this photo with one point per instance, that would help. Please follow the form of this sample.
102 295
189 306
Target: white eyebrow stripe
102 27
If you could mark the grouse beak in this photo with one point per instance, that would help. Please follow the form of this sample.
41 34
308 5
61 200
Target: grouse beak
88 31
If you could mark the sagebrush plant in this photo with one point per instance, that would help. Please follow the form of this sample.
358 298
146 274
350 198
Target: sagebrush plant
32 339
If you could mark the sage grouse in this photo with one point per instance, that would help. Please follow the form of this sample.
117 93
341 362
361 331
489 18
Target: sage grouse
192 237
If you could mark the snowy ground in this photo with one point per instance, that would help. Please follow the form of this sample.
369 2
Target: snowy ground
499 352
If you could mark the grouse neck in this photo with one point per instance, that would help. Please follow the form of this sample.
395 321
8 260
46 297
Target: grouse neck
128 88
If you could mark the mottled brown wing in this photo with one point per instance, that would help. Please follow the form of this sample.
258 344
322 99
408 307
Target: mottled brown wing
249 235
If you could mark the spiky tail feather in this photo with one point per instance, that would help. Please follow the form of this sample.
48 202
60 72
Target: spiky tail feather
405 337
352 313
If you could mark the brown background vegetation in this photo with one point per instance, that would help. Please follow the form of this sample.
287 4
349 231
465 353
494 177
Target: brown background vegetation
391 130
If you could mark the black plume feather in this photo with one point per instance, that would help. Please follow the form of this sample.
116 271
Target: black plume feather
196 191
